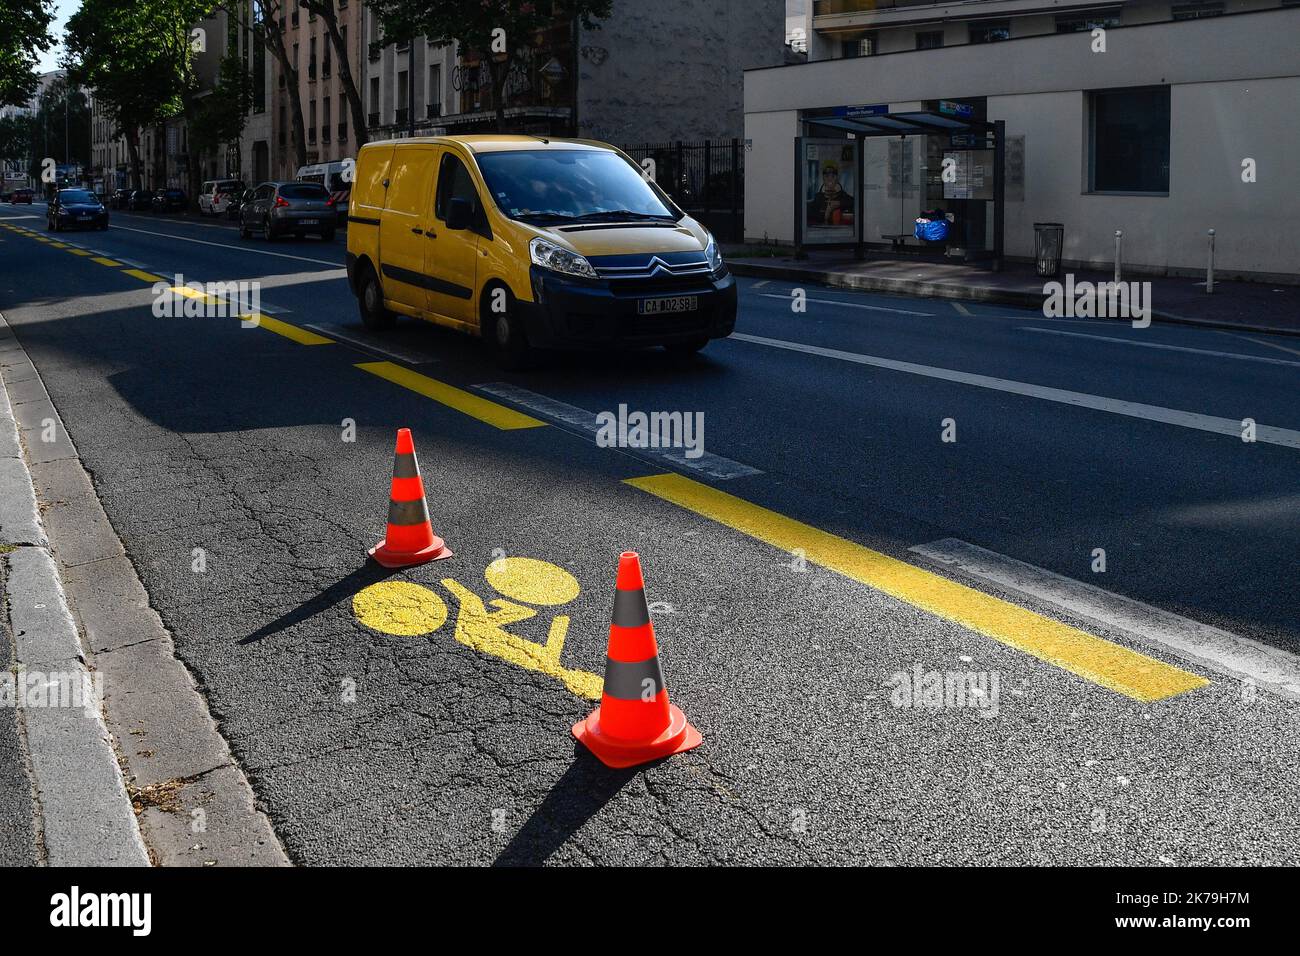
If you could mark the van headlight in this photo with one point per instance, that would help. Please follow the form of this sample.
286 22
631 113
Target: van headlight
714 255
550 256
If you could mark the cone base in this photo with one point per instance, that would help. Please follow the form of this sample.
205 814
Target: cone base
613 752
404 559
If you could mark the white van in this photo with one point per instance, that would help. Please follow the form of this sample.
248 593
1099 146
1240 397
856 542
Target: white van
216 195
337 178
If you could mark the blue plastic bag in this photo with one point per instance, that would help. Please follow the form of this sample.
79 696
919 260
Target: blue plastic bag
931 230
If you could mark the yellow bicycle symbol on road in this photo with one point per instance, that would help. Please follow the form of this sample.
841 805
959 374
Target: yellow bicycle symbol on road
404 609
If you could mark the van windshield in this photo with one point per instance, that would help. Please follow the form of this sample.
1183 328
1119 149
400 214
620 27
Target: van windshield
562 184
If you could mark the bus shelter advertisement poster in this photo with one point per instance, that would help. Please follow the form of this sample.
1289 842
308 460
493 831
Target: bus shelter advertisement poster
830 191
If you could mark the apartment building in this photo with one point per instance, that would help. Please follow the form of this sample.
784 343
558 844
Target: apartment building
1161 120
648 73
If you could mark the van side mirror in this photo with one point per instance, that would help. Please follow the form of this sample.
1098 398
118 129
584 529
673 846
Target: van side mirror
460 214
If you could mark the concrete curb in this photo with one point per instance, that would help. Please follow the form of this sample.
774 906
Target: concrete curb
184 800
86 815
947 290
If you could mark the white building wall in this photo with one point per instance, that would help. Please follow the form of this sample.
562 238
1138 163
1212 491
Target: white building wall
1235 94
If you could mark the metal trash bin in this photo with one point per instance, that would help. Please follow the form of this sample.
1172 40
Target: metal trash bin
1049 238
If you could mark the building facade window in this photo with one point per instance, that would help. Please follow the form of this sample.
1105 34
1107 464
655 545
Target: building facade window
1086 22
433 95
929 40
862 46
1128 149
990 31
1195 9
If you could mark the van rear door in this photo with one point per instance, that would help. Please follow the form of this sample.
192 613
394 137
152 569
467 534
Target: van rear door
407 212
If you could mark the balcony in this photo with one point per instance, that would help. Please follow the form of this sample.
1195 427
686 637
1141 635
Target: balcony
343 132
400 116
822 8
324 134
311 72
372 119
433 110
311 136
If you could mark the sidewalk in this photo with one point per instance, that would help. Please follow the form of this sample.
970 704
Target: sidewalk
1243 306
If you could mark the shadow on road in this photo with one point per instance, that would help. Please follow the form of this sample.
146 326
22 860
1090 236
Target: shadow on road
576 797
364 576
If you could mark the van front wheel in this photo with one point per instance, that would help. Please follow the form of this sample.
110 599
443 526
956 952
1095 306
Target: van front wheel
370 300
503 332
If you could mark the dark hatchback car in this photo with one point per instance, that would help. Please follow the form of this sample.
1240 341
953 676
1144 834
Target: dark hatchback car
141 200
21 195
276 209
76 207
120 199
169 200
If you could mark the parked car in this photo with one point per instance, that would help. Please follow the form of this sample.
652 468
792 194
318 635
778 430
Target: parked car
216 195
169 200
76 207
530 243
22 195
141 200
120 199
279 208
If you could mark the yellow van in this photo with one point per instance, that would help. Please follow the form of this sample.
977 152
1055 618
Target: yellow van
531 243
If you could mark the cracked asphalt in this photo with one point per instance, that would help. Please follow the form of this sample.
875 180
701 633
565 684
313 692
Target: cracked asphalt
219 455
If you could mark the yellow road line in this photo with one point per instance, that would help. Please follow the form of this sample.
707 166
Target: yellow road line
1110 665
105 262
135 273
300 335
485 411
58 245
78 252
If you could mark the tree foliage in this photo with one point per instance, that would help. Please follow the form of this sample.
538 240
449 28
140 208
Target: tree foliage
24 36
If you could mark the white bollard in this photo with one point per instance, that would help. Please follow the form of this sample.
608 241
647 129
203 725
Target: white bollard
1119 239
1209 268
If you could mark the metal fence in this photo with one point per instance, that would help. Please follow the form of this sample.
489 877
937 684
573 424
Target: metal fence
706 178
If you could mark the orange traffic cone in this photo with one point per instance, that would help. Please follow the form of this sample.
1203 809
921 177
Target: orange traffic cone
635 723
410 538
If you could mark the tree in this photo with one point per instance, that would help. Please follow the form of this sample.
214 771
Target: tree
61 125
493 30
24 36
115 47
220 116
15 139
327 10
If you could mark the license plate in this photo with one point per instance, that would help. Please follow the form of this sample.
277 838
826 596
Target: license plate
309 222
84 215
677 303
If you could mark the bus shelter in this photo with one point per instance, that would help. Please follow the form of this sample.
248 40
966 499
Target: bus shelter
864 175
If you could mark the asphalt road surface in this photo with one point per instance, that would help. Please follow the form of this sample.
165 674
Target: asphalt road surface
405 718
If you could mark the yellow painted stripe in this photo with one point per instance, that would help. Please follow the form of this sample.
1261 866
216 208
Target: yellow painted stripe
1110 665
299 335
105 262
78 252
136 273
472 405
59 245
